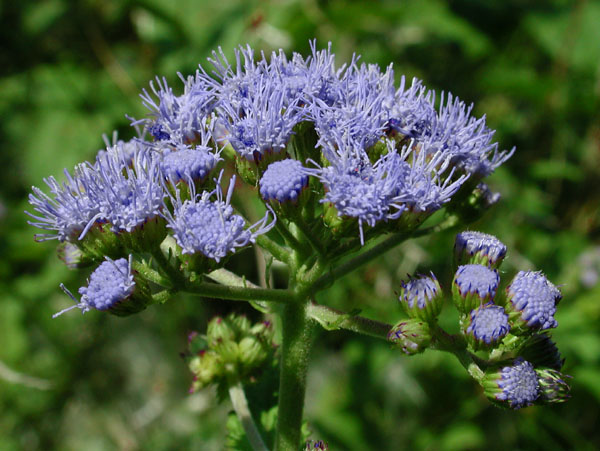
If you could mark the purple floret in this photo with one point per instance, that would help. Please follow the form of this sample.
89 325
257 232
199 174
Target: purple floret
419 291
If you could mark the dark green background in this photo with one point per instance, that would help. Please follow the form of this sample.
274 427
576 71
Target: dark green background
71 70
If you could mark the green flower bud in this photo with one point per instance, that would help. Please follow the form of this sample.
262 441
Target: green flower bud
472 247
422 298
512 384
218 331
252 352
553 388
411 336
541 351
207 368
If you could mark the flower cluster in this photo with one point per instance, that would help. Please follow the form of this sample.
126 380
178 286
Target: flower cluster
340 148
524 363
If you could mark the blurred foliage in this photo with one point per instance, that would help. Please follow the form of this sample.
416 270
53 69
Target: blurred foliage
71 70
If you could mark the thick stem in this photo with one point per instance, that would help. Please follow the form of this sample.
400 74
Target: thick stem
240 405
295 352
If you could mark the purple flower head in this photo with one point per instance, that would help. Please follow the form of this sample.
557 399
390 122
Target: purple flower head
535 297
283 181
410 111
420 292
127 150
489 323
128 196
477 280
359 110
187 163
111 283
211 227
479 247
464 138
70 209
305 79
177 119
517 384
261 124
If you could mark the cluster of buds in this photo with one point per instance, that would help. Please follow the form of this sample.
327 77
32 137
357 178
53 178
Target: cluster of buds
509 330
232 349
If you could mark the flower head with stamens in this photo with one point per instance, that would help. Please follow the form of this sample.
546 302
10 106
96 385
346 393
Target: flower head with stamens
110 287
210 227
70 209
177 119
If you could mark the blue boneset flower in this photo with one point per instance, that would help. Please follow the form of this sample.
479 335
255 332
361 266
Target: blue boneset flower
535 298
211 227
518 384
489 323
111 283
187 163
477 279
480 247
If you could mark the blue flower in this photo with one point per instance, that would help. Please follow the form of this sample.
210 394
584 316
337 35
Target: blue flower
70 209
478 247
464 138
283 181
384 190
201 225
488 324
111 283
532 300
422 297
473 286
128 196
410 111
186 163
177 119
515 385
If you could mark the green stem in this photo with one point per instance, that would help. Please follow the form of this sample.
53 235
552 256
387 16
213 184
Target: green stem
332 319
240 405
455 344
356 262
277 251
377 250
308 235
239 293
295 352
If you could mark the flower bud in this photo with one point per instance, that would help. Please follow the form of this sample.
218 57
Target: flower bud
478 248
514 385
219 330
422 298
411 336
553 387
473 286
207 367
253 352
487 326
541 351
531 302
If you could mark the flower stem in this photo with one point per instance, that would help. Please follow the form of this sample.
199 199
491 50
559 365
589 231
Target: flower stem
239 293
295 352
277 251
332 319
240 405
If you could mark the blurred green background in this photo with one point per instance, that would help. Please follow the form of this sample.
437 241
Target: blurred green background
71 70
